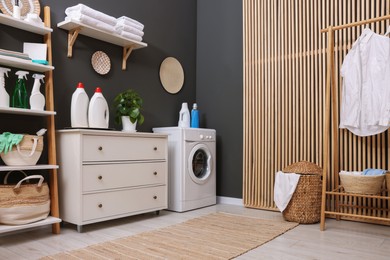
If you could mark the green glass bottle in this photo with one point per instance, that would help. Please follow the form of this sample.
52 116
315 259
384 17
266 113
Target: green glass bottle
19 96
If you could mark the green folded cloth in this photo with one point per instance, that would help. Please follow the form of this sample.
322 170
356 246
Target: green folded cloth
7 140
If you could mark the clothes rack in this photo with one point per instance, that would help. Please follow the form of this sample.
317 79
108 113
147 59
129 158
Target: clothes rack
331 100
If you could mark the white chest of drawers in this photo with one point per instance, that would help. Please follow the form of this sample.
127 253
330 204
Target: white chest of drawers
105 175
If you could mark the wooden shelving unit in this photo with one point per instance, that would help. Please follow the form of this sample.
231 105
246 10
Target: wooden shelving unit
341 198
52 166
75 28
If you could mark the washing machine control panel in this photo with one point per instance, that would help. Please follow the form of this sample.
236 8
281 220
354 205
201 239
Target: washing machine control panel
199 135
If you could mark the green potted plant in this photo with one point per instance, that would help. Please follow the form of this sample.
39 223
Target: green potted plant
128 105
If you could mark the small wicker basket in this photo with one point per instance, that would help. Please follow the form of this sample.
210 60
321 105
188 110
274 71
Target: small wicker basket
305 204
361 184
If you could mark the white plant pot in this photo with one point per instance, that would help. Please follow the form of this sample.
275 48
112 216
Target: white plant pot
127 125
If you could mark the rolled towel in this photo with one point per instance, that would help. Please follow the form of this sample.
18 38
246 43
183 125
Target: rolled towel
91 22
129 29
85 10
131 36
124 20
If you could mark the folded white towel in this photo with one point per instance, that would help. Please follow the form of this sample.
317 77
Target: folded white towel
351 173
130 22
85 10
131 36
285 185
129 29
87 20
128 19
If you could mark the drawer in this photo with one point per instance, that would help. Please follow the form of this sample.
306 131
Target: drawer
111 176
107 204
119 148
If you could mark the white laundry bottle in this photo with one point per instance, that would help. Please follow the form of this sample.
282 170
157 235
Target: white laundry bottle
184 116
37 99
98 113
4 97
79 107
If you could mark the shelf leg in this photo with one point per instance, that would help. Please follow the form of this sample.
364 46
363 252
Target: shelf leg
126 54
72 36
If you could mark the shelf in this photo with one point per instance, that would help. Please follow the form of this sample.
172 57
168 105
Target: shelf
22 111
23 25
24 64
4 168
75 28
48 221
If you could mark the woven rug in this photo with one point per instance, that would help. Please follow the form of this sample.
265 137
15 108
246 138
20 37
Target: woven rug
214 236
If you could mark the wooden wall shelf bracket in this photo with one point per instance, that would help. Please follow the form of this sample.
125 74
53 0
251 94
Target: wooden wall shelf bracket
72 36
126 53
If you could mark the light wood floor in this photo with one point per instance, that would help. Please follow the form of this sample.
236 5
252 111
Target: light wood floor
341 240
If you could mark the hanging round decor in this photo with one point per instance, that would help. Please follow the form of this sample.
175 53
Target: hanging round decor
26 7
101 62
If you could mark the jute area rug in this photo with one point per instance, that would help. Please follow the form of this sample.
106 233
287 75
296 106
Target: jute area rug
214 236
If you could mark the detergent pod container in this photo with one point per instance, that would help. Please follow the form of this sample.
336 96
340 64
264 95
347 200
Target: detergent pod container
184 116
4 97
37 99
19 96
79 107
98 113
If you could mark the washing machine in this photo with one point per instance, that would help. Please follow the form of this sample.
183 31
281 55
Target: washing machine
191 167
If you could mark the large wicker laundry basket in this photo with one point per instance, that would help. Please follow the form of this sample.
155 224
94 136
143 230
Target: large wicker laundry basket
305 204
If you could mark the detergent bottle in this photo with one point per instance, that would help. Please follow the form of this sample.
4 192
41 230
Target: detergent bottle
4 97
194 116
184 116
98 113
79 107
19 96
37 100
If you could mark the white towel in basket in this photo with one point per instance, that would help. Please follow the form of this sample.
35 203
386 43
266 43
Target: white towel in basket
285 185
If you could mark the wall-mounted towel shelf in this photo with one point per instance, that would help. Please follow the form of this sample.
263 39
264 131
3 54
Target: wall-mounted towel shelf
75 28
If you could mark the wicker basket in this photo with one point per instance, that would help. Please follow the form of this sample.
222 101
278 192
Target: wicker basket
361 184
388 183
27 154
305 204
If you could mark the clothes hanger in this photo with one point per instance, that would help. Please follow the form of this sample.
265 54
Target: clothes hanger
388 31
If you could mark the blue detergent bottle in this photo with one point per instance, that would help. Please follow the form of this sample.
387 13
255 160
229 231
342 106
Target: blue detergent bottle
194 116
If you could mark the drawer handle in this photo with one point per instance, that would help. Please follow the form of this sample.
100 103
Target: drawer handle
100 177
155 148
100 205
100 148
155 173
155 197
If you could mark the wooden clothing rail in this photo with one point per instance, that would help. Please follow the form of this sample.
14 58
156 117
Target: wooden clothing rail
331 100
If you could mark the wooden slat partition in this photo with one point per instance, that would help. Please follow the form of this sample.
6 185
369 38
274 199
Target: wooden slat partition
285 65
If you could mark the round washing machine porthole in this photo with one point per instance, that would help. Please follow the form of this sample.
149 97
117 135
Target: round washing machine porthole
200 163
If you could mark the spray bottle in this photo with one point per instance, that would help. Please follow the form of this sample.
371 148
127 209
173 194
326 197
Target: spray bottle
4 97
19 97
37 100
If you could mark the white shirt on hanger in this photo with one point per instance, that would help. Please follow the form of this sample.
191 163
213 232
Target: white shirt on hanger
365 105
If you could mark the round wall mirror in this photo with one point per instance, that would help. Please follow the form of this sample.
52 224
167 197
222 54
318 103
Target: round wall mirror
171 75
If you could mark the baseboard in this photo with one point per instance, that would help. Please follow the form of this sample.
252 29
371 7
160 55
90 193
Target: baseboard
229 201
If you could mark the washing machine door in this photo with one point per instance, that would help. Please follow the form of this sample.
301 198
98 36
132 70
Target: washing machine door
200 163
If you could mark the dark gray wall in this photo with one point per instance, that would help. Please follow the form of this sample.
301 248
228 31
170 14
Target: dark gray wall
170 30
212 66
219 86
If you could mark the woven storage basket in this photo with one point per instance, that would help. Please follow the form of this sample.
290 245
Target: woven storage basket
305 204
26 154
361 184
24 203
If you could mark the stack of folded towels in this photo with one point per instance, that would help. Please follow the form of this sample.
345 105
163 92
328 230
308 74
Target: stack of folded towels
91 17
123 26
